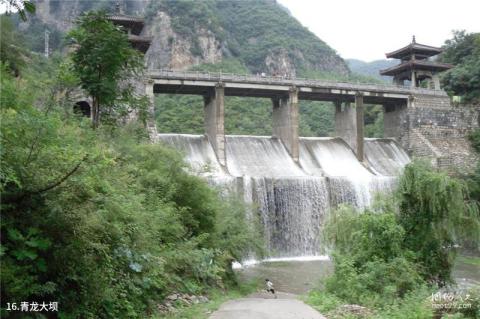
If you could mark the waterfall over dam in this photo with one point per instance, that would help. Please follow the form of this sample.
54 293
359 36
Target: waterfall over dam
293 199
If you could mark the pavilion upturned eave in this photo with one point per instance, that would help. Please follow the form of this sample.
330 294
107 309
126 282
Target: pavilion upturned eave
135 24
420 50
417 65
140 43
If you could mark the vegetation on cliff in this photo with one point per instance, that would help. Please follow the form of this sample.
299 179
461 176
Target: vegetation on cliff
250 31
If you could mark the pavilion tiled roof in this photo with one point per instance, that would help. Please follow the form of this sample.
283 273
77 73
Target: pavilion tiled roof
140 43
135 24
414 48
418 65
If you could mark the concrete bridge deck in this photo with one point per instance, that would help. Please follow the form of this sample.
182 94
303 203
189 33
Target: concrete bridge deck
349 99
187 82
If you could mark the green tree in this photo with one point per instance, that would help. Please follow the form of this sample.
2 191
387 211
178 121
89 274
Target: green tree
402 243
464 52
110 234
435 211
371 264
11 54
21 6
473 180
104 60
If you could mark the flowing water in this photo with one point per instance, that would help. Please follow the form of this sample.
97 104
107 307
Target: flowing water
293 199
300 275
385 157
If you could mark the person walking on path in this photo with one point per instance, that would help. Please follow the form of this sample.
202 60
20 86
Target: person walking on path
270 288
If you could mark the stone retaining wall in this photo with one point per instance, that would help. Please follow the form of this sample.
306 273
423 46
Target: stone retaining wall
432 127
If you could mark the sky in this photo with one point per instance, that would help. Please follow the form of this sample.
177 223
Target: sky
367 29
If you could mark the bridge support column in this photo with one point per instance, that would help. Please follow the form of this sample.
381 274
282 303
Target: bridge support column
285 122
349 124
214 110
360 126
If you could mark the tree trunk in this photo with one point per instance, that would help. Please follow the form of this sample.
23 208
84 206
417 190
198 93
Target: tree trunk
95 113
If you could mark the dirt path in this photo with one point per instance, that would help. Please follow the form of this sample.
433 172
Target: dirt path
264 306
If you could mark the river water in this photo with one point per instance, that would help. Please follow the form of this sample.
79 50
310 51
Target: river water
300 276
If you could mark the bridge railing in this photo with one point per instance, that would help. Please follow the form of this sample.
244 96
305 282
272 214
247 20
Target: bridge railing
279 80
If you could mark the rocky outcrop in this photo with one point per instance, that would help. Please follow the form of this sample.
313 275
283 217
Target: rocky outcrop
174 51
168 49
180 41
61 14
280 64
285 63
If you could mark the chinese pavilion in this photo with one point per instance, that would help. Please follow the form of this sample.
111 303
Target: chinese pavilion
133 26
415 65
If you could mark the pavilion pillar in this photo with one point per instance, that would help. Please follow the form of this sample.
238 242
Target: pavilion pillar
397 81
413 80
214 111
436 81
349 125
285 122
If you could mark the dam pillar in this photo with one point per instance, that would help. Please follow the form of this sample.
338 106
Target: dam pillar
349 124
285 121
214 110
360 125
395 121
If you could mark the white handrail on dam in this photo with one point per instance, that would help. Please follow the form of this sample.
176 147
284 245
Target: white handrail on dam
298 82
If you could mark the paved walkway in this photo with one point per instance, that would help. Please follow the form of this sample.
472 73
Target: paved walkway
264 306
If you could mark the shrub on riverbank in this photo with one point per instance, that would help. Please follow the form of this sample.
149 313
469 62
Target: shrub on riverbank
390 258
103 222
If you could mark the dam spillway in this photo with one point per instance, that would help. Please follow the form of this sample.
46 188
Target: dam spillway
293 199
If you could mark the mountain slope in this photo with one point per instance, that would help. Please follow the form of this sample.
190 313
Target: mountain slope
244 36
260 34
267 36
371 69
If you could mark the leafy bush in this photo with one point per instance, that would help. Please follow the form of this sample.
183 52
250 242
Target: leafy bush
369 256
463 50
322 301
436 216
102 221
392 256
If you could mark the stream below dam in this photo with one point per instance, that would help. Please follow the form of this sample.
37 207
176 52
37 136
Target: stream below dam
298 276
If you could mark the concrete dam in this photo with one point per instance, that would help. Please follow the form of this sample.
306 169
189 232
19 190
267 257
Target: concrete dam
292 199
293 182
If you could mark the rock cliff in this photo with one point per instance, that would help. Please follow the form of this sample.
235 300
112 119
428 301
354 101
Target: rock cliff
260 34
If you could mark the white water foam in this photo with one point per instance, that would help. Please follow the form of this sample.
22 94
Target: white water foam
252 262
293 200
